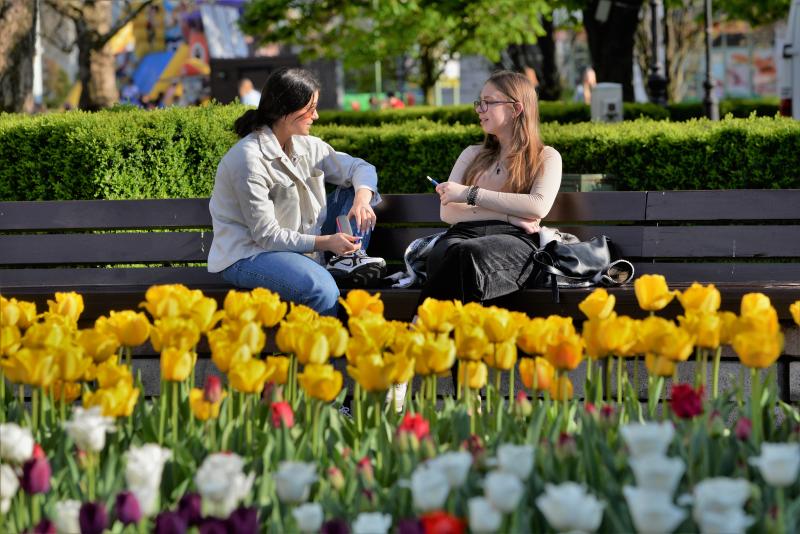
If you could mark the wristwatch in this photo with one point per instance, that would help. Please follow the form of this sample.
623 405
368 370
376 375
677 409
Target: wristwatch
472 195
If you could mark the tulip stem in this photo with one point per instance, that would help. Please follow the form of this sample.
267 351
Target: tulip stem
609 371
2 396
636 376
619 380
497 384
755 404
90 457
162 412
35 411
34 510
174 414
511 379
469 411
211 426
779 496
715 375
248 419
62 406
359 415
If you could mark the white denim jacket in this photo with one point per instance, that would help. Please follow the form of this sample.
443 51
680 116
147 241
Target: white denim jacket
264 200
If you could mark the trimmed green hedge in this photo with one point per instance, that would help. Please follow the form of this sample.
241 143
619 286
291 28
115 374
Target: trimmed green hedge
560 112
174 152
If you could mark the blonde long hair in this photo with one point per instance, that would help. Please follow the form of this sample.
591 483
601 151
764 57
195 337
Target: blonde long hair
524 154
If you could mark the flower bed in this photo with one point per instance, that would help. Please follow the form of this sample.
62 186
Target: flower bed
271 450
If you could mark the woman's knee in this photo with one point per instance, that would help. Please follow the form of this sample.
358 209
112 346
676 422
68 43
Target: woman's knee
322 293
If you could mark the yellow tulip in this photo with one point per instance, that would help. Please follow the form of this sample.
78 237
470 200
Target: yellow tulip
270 309
174 332
652 292
97 345
204 314
649 332
659 365
50 333
299 313
502 356
699 298
372 330
69 305
500 325
561 388
676 345
619 336
9 312
409 343
758 349
473 374
116 401
35 367
765 321
226 355
440 353
287 336
335 333
278 369
359 301
535 335
794 309
10 340
566 353
598 305
109 373
436 316
471 341
132 329
400 366
370 372
165 301
70 390
312 347
590 334
27 313
249 376
755 304
727 327
536 373
474 313
247 333
201 408
322 382
240 306
72 362
705 326
176 364
560 327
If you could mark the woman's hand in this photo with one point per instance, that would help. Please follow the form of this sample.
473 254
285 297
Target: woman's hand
340 244
531 226
362 211
452 192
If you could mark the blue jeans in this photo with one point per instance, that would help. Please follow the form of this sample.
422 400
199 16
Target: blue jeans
294 276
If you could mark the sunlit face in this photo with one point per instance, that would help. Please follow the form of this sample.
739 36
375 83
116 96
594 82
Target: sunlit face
500 112
299 122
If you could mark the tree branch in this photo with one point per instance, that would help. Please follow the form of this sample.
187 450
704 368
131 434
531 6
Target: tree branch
123 20
64 9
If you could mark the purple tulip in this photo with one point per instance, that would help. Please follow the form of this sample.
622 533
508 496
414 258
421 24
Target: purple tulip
212 525
45 526
127 507
243 521
190 508
93 518
36 476
170 523
335 526
410 526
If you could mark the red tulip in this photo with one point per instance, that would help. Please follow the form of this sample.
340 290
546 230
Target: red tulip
282 414
36 476
212 390
686 402
441 523
415 424
743 428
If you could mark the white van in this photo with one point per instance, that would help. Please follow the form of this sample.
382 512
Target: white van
790 65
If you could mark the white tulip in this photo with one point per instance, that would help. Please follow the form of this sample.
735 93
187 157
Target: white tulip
454 465
733 521
647 439
309 517
483 517
222 484
16 444
721 494
569 508
429 488
143 471
503 490
88 428
658 473
779 463
293 481
66 517
516 459
652 511
372 523
9 484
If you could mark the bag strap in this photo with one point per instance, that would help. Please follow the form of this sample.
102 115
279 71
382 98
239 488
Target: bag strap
555 271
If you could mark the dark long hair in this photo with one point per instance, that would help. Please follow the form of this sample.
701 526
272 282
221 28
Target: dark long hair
287 90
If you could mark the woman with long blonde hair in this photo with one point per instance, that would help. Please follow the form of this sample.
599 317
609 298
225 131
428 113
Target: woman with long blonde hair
496 195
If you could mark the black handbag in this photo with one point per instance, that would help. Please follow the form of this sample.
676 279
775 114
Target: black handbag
581 264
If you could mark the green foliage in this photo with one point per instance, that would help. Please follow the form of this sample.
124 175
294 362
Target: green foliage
174 152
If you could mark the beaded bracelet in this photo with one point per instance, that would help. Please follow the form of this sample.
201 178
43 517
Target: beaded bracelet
472 195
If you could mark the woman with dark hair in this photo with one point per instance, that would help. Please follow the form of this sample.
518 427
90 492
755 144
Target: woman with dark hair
273 221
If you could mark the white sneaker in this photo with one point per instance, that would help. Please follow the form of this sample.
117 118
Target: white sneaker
357 268
398 393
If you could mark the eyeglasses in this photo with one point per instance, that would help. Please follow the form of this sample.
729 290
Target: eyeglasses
482 106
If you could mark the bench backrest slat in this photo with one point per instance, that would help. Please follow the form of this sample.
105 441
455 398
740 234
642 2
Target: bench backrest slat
739 204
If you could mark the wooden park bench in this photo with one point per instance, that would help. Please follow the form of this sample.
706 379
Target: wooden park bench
740 240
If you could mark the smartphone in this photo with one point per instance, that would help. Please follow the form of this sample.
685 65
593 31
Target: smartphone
431 180
344 226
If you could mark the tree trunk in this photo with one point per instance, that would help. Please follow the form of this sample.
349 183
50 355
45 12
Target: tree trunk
550 82
95 61
611 42
16 55
427 74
